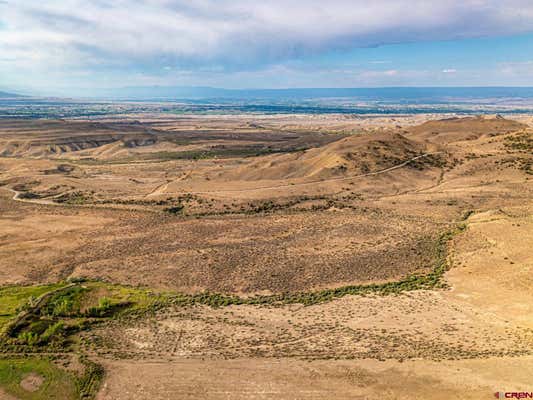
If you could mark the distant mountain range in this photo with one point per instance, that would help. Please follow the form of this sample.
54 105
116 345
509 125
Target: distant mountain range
416 94
5 95
396 95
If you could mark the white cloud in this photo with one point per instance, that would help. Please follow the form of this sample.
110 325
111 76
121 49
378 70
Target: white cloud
378 74
239 31
520 69
243 43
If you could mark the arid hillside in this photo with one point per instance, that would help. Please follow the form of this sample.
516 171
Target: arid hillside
326 216
266 258
132 140
357 154
456 129
38 138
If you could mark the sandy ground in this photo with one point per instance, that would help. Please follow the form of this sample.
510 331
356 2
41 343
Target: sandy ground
483 297
291 379
5 396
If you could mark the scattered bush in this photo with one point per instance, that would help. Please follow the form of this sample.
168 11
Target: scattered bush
28 338
89 383
178 209
53 331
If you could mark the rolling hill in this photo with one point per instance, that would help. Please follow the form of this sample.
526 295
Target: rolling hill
356 154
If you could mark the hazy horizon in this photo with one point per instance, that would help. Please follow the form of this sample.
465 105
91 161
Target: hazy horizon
412 93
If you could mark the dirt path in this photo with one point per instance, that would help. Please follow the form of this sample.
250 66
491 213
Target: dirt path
47 202
160 189
16 197
314 182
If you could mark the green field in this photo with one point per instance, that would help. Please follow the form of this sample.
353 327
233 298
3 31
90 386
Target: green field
14 298
57 383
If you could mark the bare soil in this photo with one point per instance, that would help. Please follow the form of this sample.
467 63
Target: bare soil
32 382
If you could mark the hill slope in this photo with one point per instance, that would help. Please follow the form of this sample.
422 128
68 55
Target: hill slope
47 138
460 129
358 154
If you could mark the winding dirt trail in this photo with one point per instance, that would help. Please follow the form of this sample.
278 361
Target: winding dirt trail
314 182
160 189
16 197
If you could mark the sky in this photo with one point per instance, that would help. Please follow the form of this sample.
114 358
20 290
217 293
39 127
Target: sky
74 47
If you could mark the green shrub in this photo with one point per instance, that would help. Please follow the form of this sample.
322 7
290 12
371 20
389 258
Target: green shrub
178 209
29 338
38 327
65 303
104 306
62 307
53 331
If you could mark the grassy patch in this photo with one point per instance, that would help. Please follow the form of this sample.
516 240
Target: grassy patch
65 303
131 298
42 318
13 299
57 383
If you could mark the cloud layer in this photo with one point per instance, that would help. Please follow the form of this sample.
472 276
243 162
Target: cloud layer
79 38
239 31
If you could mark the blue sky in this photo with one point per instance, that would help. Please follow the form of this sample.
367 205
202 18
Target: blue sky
74 47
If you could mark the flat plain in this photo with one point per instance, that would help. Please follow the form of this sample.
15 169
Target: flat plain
266 257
